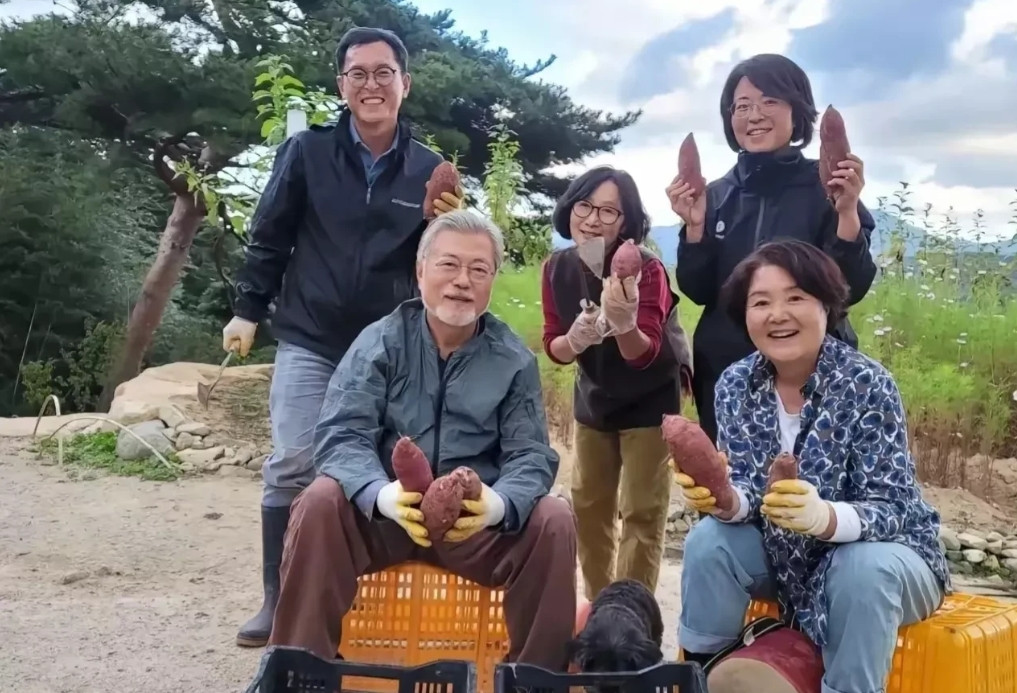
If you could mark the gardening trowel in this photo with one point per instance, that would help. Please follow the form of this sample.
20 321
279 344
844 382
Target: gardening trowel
205 391
591 252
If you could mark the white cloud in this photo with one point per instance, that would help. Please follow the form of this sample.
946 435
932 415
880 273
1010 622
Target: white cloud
882 133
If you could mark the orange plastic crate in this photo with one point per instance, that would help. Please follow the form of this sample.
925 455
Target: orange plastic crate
969 645
414 613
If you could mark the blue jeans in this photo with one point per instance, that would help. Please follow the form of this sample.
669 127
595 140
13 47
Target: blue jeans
872 589
294 402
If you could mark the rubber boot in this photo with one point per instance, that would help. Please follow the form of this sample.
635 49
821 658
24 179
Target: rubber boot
255 632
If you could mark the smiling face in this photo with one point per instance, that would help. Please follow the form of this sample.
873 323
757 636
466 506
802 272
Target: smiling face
599 215
456 276
372 83
786 324
761 123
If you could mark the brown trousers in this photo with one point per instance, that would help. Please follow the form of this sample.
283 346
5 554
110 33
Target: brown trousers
330 544
624 473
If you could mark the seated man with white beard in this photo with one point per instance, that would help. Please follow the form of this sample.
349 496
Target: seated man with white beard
456 380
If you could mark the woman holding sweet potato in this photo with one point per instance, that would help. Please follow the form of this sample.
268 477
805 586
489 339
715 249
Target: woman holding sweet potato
772 191
844 542
631 353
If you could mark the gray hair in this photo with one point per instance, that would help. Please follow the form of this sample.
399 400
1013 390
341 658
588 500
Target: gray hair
464 221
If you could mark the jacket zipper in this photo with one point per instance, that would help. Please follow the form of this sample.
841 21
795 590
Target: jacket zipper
759 221
437 414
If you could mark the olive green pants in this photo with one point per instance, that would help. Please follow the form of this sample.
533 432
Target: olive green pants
624 474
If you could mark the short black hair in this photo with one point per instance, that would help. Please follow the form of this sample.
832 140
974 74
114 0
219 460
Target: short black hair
780 78
359 35
813 271
635 220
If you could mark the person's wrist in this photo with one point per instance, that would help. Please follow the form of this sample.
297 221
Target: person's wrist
694 232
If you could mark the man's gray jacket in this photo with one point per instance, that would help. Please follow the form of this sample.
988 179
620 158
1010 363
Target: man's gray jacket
483 409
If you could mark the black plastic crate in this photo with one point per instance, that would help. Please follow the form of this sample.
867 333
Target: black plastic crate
666 677
296 670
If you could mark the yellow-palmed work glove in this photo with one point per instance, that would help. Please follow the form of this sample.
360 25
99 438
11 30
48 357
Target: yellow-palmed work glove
795 505
697 497
483 513
397 505
446 202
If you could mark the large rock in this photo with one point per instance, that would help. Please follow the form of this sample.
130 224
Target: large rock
203 459
172 415
195 428
949 539
971 540
130 448
185 440
974 556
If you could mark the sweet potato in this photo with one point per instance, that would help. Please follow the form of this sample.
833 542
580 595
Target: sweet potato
468 479
627 260
833 146
695 455
689 167
783 467
444 179
411 466
441 506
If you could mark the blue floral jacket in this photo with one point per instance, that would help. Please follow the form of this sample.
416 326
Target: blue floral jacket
853 447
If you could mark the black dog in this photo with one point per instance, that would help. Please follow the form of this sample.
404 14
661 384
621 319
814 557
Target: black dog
623 633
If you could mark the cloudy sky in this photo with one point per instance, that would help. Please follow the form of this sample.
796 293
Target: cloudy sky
928 88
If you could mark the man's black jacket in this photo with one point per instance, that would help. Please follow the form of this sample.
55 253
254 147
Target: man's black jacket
337 253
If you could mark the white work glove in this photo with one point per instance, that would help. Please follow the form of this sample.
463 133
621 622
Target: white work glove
583 333
619 306
486 512
396 504
238 335
795 505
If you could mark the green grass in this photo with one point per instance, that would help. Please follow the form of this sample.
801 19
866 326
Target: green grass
947 332
89 453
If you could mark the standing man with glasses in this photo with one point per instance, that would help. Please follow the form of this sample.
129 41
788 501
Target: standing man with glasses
333 242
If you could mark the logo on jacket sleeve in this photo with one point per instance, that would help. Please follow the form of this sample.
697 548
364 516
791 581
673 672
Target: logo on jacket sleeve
718 230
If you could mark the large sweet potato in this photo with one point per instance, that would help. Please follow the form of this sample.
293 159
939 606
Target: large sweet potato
689 167
411 466
444 179
783 467
441 506
696 456
833 146
627 260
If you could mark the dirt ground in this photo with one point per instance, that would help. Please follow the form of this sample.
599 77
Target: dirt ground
117 584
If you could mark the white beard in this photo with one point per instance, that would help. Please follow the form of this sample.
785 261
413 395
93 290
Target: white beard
453 316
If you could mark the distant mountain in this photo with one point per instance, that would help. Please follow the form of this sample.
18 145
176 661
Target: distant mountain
666 239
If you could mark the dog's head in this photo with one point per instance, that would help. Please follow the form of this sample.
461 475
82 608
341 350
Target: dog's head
614 640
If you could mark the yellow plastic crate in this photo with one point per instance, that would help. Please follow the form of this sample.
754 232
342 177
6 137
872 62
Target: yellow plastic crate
414 613
969 645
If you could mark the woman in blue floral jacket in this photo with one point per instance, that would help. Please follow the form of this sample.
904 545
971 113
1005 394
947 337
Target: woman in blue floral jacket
850 548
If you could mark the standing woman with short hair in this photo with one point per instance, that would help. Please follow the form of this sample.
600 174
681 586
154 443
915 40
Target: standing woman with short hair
773 191
631 352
